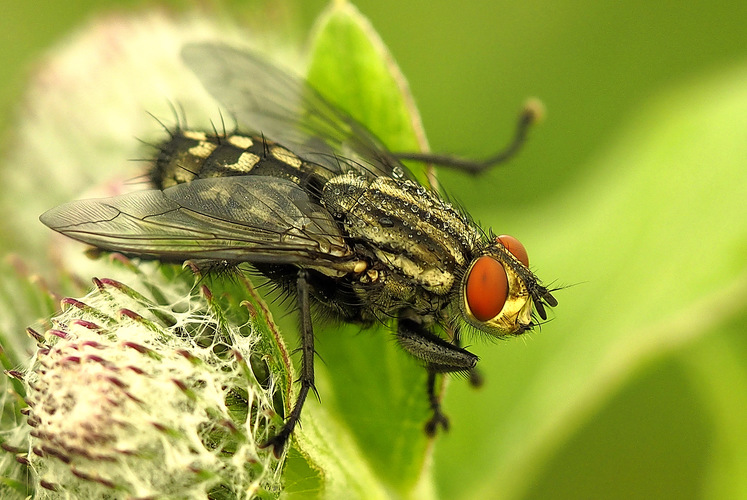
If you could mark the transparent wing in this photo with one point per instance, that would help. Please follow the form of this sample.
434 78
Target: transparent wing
238 219
269 101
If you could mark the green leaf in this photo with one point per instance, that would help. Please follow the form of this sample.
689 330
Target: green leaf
352 68
718 370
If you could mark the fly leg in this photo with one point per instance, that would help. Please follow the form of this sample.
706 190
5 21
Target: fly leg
440 356
279 440
438 418
529 115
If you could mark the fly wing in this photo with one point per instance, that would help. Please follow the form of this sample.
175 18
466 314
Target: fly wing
269 101
238 219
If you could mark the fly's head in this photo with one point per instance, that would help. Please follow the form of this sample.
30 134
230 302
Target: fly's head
499 293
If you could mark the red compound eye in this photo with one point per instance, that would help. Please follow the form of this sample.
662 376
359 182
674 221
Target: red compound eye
515 247
487 288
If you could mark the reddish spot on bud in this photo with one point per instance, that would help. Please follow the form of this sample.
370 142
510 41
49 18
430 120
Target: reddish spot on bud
87 324
58 333
131 314
69 301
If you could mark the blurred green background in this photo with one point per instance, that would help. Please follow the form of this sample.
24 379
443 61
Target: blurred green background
632 194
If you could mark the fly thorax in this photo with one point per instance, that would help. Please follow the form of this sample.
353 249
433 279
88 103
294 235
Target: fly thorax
409 229
341 194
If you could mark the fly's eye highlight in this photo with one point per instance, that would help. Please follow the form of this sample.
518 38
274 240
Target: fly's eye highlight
515 247
487 288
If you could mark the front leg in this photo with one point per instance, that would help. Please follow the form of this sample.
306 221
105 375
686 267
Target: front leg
440 356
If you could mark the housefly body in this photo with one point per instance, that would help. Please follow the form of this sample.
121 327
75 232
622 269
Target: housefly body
317 204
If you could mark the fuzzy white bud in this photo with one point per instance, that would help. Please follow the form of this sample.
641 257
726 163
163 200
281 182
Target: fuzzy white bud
128 398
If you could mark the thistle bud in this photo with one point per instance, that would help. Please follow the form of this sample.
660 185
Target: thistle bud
130 397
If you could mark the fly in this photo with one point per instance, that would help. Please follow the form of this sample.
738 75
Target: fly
319 206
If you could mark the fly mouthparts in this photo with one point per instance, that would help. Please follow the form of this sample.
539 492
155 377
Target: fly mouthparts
541 297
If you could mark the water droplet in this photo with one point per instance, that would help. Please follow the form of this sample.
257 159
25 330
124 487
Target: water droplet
386 222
